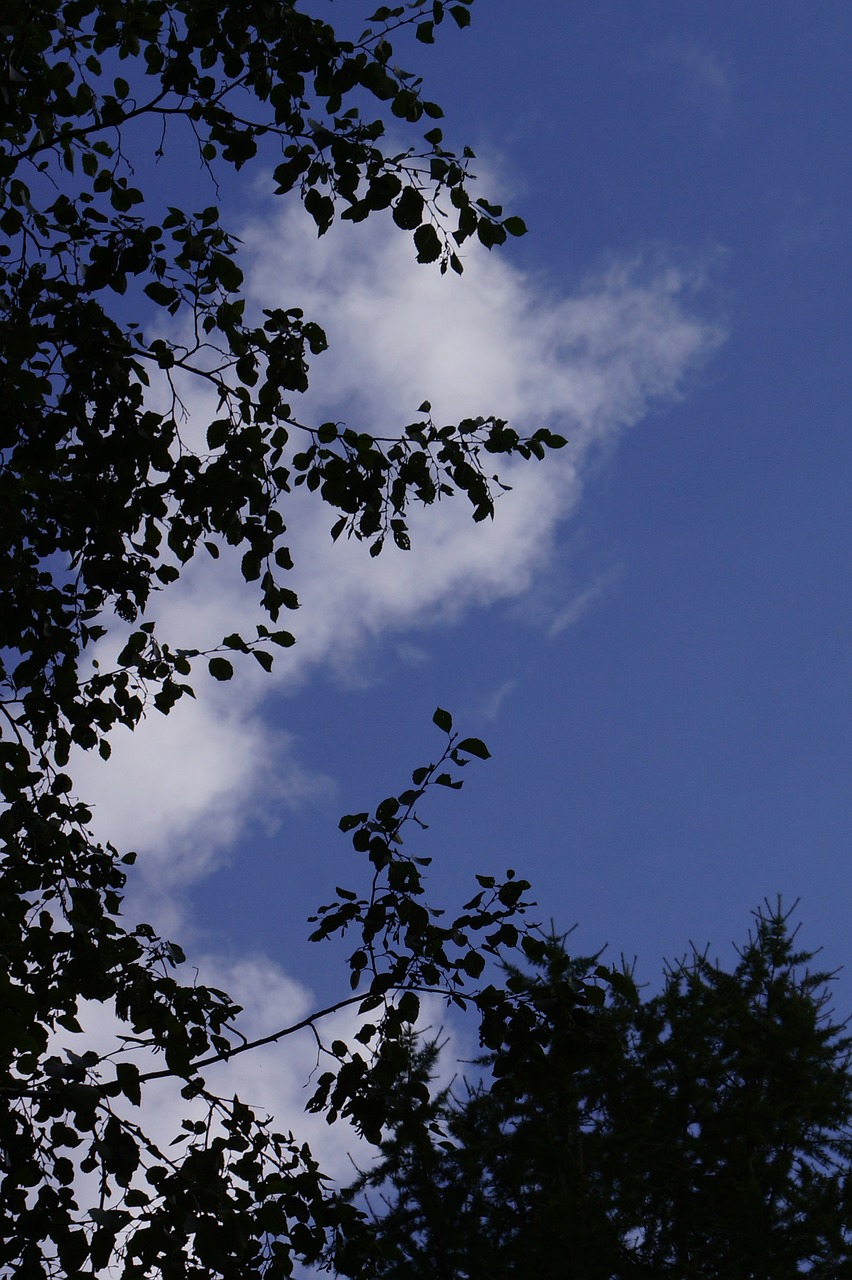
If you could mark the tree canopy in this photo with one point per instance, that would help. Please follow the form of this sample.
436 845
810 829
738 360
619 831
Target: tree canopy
704 1131
112 302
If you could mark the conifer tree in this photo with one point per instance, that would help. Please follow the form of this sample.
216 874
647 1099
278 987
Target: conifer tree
704 1131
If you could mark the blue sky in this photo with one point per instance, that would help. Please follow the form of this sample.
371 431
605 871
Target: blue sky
654 641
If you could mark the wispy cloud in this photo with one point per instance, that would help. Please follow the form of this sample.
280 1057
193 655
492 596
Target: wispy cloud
584 600
707 78
490 708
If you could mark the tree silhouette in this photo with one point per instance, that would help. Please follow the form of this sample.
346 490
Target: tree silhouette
705 1131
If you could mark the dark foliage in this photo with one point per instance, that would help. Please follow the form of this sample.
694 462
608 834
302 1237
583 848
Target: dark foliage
706 1131
103 501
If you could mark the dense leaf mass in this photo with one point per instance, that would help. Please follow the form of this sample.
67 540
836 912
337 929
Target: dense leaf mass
113 303
105 492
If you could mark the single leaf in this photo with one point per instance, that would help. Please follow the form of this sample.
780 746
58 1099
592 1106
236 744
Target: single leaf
443 720
428 243
220 668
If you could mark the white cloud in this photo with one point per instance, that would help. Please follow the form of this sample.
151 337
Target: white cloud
493 341
184 790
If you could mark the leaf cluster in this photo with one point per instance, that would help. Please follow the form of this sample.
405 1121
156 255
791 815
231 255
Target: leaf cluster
406 948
